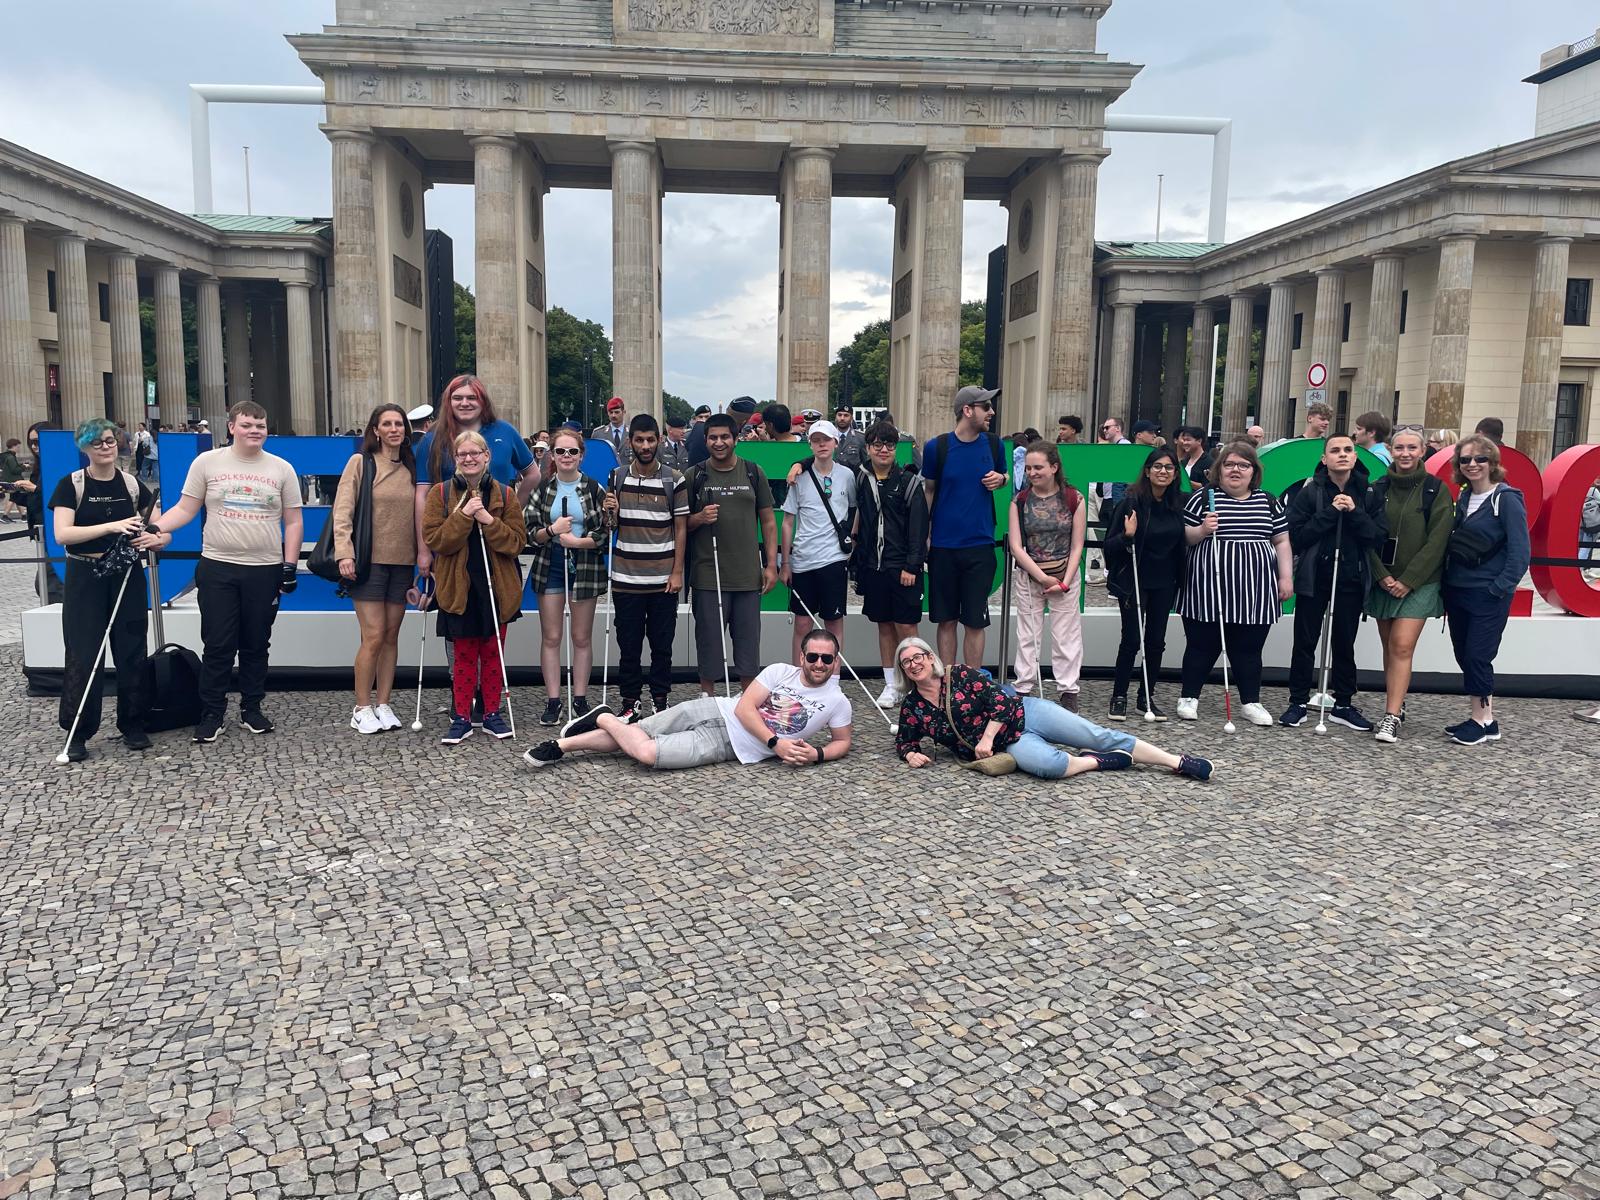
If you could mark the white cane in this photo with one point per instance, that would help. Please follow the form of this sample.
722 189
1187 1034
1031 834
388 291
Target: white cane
611 608
566 610
1222 627
871 703
1138 612
1327 627
494 615
722 627
88 685
422 648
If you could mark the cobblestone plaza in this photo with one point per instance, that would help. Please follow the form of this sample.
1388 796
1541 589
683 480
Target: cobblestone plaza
318 964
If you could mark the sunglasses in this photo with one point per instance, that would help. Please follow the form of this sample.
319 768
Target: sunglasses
1409 428
1481 460
566 452
813 657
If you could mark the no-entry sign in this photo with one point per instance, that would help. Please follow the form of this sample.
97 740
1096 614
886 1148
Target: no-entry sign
1317 376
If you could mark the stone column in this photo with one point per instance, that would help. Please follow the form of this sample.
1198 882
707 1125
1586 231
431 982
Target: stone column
1072 304
1202 332
1172 374
635 344
1327 326
1541 354
1236 373
1119 392
266 382
302 382
127 351
80 390
21 387
810 194
171 384
495 248
939 338
236 348
1147 376
358 360
208 329
1383 335
1452 323
1276 351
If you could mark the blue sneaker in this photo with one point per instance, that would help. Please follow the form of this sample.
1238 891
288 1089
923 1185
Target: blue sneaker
1194 767
1470 733
460 730
1350 716
495 725
1110 760
1294 716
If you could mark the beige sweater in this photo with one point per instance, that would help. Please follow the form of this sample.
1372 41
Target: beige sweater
394 528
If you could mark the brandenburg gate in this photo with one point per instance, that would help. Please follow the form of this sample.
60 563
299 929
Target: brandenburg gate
922 102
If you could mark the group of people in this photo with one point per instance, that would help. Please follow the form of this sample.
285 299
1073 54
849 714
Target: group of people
449 520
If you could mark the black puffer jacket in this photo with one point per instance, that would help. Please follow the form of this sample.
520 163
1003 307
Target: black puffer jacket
1314 531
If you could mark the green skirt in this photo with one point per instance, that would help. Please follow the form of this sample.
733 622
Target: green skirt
1427 601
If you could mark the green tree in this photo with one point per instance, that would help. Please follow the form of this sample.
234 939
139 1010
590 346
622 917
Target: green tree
191 347
867 357
566 341
466 331
676 406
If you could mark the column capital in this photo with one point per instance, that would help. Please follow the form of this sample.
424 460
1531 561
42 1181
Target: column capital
946 155
1458 237
1553 239
639 145
1094 155
493 139
1125 304
1331 272
1282 285
345 133
1388 256
293 283
70 237
1244 294
827 152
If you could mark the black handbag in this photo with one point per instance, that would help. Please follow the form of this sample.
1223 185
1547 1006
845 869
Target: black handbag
322 562
1469 547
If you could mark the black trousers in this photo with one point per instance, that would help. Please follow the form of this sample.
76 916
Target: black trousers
237 608
85 613
1204 647
1157 607
638 615
1308 614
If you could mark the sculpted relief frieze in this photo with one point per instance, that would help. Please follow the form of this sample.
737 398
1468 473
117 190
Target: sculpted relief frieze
737 18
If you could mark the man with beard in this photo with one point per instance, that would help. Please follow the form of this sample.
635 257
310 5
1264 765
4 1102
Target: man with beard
648 506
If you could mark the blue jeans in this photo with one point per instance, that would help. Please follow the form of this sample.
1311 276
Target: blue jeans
1047 727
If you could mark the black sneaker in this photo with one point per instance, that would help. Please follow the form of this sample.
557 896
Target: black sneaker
629 713
136 739
660 702
543 755
1388 728
1194 767
209 729
587 722
256 721
552 712
1350 717
1470 733
1117 710
77 751
580 705
1294 716
1110 760
1150 707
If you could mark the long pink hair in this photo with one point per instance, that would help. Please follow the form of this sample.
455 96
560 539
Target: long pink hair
446 429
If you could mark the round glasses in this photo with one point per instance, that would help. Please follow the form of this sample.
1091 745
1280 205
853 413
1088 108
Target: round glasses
912 660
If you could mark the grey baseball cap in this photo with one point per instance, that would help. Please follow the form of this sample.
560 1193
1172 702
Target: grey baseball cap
973 394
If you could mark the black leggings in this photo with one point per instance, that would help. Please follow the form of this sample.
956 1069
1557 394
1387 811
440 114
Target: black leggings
85 613
1244 656
1157 607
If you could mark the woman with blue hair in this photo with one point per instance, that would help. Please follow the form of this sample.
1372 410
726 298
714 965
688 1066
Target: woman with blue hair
94 507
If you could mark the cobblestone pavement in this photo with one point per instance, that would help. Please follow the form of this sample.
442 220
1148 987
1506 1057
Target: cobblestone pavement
317 964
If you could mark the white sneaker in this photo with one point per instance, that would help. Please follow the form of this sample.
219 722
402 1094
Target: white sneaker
1188 708
890 697
365 720
1256 714
385 714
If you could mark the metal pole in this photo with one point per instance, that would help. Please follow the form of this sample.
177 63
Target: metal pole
1005 618
1160 180
247 210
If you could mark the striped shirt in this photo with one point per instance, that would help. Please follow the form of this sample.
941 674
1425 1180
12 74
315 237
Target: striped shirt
643 558
1242 548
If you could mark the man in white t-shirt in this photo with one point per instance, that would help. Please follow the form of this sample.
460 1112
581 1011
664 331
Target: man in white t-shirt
821 504
249 554
772 718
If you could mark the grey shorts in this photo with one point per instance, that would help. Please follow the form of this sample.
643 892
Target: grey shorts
742 611
689 735
386 582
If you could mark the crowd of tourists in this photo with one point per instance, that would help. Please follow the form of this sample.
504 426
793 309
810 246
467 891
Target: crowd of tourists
449 522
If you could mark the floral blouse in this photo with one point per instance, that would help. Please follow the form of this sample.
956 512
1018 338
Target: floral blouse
975 701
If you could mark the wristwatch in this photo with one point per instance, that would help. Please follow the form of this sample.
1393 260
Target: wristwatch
772 742
818 749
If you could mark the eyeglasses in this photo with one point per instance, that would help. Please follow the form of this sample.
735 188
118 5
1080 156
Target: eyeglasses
813 657
1163 466
1235 466
913 659
566 452
462 455
104 444
1481 460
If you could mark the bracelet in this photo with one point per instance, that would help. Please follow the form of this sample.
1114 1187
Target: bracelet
818 749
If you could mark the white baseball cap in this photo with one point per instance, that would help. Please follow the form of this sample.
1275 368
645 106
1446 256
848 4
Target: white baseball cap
821 429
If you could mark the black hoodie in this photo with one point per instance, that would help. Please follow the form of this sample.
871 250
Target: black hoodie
1314 531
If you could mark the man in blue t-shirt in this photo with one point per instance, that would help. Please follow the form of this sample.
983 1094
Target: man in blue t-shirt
960 476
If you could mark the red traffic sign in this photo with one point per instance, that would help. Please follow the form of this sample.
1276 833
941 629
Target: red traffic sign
1317 375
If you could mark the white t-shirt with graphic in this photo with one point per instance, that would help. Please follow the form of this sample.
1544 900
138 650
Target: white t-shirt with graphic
791 710
245 500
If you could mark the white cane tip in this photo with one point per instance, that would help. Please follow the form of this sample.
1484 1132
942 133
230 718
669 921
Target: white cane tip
416 727
1228 728
1149 716
62 758
1322 729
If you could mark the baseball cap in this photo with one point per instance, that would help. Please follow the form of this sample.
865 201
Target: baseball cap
614 403
1145 427
820 428
972 394
420 413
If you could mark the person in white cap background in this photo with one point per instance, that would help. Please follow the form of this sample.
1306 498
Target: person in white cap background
821 505
421 418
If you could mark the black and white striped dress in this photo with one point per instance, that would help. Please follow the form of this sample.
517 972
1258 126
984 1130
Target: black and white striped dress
1242 546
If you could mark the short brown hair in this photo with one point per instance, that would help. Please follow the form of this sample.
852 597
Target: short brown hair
1319 409
246 408
1486 446
1245 451
1377 422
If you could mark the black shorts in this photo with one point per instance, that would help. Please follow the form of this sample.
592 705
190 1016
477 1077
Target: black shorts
960 583
884 598
823 591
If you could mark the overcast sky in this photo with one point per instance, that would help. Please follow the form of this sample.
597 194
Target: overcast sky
1328 98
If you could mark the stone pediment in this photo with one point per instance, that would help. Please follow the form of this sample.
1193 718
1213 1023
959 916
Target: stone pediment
1569 153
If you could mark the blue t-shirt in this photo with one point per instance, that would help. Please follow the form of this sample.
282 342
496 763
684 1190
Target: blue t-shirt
569 492
963 509
509 455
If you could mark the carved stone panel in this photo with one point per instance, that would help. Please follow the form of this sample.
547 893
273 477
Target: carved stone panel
902 297
534 286
741 24
1023 300
407 282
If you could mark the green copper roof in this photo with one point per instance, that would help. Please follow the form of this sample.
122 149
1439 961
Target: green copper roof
235 223
1157 249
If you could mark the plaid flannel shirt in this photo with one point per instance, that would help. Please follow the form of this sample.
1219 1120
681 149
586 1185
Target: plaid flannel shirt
588 566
